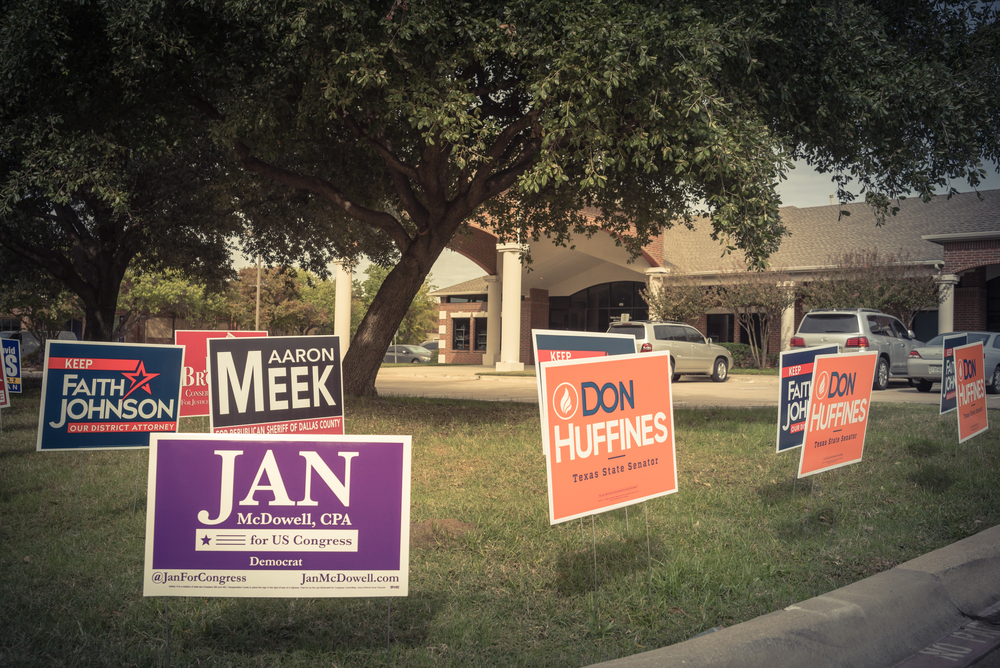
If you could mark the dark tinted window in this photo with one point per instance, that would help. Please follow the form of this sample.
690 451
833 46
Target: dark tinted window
693 335
829 323
661 332
638 331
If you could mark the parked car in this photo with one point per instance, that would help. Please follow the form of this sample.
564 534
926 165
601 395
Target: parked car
924 365
406 354
858 330
690 352
430 345
29 343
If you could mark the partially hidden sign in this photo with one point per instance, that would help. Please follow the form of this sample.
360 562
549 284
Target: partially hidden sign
971 389
100 396
10 360
793 399
949 385
289 516
608 430
276 385
838 412
194 392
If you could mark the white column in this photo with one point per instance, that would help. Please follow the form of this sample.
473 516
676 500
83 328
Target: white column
342 306
655 277
510 309
946 309
788 319
493 300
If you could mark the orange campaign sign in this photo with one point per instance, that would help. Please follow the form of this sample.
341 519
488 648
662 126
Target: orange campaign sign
969 373
837 417
608 430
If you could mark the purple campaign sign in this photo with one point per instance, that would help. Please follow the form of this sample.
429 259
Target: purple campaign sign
277 516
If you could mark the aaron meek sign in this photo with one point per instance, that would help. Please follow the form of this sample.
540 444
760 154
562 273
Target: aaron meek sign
276 385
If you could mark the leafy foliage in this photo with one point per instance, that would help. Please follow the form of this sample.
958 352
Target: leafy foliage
42 303
758 298
147 294
420 317
867 279
681 298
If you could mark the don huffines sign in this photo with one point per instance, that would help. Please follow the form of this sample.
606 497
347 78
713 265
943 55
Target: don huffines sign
608 430
276 385
98 396
270 516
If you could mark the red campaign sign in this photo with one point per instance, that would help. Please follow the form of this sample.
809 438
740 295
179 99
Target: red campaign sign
837 418
194 378
969 372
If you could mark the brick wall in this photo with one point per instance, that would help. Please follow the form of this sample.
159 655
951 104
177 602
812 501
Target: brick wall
479 246
460 311
962 255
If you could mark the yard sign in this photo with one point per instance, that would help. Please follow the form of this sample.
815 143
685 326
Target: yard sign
949 385
609 427
971 389
194 395
107 396
793 394
265 516
11 362
838 412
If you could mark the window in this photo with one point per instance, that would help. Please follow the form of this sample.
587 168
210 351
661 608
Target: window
720 327
480 334
466 299
10 324
693 335
461 334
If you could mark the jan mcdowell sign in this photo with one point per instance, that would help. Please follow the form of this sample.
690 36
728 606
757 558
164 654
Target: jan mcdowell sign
194 386
970 380
609 433
106 396
276 385
793 398
269 516
837 418
10 360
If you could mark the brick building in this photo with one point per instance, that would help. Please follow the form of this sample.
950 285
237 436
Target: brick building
957 240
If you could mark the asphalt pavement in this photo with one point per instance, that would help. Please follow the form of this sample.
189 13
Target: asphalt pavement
939 609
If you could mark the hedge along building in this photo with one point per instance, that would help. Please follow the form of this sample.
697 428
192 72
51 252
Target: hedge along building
583 288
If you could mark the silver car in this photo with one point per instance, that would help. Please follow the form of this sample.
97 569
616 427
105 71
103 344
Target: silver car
924 365
406 355
857 330
690 352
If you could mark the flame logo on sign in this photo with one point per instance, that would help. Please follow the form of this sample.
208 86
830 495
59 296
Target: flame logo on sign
821 385
565 401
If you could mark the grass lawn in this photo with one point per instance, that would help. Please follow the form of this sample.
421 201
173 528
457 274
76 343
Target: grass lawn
491 583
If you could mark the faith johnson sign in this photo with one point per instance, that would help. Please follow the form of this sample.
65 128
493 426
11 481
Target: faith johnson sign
11 361
971 386
269 516
101 396
608 428
949 385
793 394
194 389
276 385
838 412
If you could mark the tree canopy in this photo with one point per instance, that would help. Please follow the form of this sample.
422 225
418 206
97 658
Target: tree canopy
383 127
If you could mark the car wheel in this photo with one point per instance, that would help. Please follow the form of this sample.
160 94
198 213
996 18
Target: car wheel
924 385
995 387
881 374
720 373
415 361
674 377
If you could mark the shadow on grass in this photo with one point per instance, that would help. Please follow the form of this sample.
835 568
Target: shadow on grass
616 558
933 477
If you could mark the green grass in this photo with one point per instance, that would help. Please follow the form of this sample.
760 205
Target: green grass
491 583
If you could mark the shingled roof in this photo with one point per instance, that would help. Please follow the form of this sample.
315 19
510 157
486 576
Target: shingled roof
818 234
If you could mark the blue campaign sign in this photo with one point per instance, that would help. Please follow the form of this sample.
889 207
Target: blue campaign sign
793 401
11 358
107 396
949 384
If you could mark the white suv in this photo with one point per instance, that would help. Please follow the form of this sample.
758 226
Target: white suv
690 352
856 330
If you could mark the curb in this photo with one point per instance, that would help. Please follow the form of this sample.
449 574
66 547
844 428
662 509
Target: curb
878 621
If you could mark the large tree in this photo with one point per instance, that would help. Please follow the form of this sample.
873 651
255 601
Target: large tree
92 175
394 124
